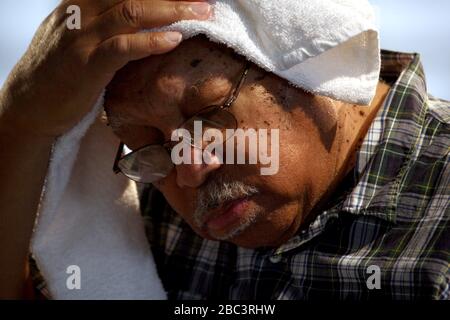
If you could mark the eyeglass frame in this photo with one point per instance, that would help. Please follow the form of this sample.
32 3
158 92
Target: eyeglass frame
227 105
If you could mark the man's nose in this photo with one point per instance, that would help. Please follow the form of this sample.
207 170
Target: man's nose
194 175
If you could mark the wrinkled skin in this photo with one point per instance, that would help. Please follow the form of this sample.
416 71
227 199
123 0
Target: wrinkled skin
150 98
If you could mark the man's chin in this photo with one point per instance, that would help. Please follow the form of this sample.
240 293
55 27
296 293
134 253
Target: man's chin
229 236
245 235
246 238
255 235
250 227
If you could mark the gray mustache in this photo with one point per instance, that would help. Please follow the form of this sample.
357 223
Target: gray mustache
218 191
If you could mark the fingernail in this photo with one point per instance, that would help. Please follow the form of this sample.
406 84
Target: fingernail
200 9
174 37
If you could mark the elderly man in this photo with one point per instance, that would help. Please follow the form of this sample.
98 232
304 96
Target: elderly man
345 198
358 208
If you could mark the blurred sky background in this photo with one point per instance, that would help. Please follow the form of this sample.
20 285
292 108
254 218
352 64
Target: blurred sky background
406 25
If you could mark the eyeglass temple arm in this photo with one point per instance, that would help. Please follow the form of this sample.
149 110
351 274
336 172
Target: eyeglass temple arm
117 158
238 87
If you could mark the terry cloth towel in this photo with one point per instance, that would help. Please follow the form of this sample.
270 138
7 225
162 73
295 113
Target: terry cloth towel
327 47
89 217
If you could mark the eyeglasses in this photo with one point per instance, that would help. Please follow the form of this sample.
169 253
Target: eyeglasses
153 162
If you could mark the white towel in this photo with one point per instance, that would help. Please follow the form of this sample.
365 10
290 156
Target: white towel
89 217
327 47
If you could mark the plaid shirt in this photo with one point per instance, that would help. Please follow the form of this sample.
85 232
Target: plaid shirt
390 218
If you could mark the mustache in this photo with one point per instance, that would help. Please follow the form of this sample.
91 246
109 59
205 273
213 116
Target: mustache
217 191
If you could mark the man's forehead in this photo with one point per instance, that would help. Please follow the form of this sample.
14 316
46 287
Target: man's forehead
196 60
195 75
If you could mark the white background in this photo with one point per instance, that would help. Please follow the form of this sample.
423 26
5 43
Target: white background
406 25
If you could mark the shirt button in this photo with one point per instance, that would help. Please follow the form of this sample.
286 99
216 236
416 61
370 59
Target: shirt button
275 258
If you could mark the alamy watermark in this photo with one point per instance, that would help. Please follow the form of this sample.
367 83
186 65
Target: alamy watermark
73 281
236 141
374 280
73 22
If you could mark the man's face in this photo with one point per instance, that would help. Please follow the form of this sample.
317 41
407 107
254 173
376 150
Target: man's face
150 98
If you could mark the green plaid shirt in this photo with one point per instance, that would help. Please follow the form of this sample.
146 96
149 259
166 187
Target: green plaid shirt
390 219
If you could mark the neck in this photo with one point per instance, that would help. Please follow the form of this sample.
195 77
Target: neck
356 121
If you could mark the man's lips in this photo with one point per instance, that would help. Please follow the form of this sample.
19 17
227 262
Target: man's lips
226 214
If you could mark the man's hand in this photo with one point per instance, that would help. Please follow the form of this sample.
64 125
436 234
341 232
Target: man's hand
52 87
63 72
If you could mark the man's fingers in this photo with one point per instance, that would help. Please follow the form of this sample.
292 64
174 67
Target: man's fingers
104 5
133 15
117 51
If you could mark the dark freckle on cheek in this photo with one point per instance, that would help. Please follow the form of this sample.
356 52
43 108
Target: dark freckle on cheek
270 99
195 63
361 113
